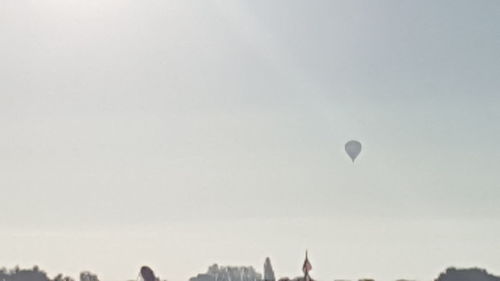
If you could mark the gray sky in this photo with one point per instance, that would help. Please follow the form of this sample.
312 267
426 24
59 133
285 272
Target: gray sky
181 133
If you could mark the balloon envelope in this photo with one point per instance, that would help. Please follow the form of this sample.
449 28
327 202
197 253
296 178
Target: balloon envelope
147 274
353 149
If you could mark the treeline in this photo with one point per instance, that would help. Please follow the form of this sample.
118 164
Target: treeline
35 274
230 273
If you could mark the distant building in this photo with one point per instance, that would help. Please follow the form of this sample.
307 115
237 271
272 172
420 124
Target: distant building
268 271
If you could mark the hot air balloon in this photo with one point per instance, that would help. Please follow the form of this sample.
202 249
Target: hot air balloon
353 148
147 274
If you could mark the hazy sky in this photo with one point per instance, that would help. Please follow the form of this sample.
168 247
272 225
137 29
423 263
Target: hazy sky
182 133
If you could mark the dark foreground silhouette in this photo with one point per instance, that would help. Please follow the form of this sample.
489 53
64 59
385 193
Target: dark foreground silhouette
469 274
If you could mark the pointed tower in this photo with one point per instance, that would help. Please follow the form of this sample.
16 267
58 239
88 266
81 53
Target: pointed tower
306 268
